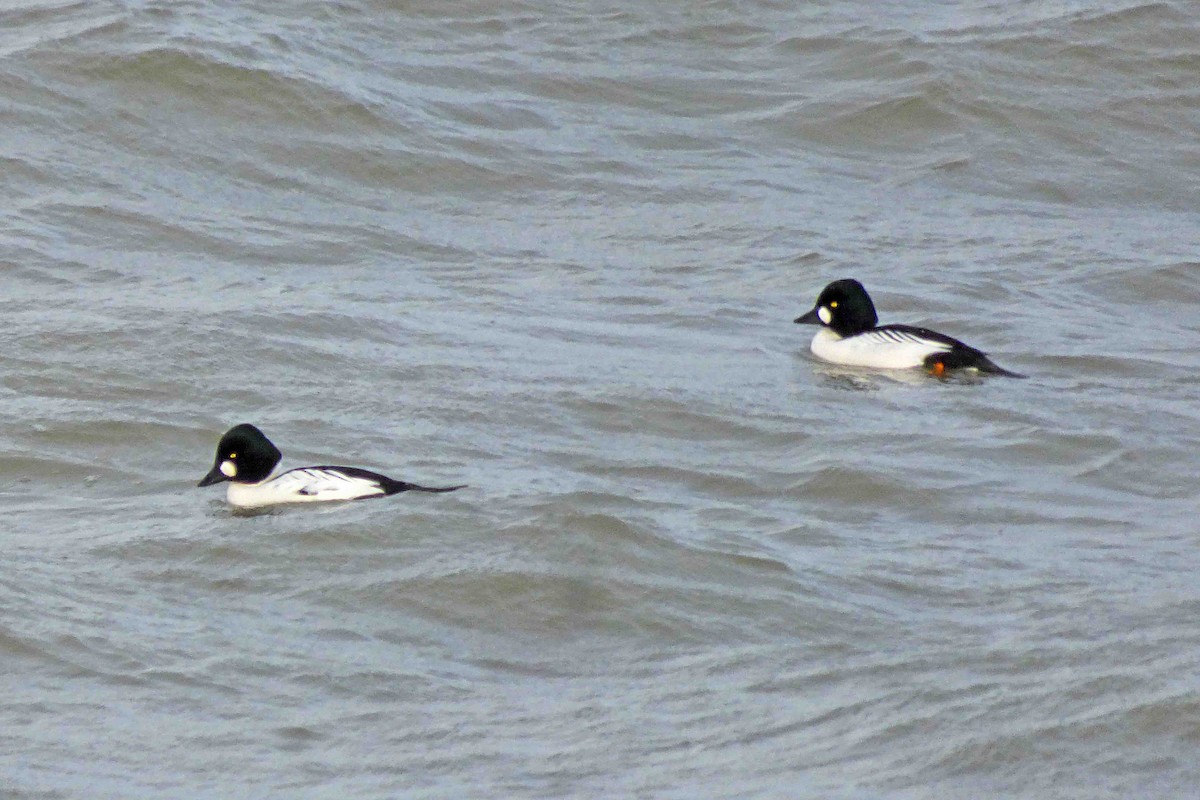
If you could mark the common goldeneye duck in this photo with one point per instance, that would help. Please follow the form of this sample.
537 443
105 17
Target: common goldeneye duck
850 335
246 458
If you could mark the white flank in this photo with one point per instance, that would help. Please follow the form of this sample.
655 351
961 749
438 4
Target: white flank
878 349
302 486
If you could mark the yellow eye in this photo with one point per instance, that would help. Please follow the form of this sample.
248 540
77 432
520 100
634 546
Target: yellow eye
233 455
833 304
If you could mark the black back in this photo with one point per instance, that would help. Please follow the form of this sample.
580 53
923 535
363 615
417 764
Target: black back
389 485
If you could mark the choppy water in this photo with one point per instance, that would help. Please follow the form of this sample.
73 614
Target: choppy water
553 250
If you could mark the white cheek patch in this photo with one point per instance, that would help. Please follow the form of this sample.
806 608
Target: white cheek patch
824 314
229 469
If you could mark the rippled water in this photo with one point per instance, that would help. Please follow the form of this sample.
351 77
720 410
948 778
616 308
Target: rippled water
553 251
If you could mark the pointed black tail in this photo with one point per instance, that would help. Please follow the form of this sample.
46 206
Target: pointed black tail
992 368
395 487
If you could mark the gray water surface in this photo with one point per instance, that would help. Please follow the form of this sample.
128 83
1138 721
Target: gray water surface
553 251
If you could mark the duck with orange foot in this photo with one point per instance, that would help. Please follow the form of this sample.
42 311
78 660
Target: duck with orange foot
850 335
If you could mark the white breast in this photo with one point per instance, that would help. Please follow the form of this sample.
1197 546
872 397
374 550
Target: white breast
882 349
302 486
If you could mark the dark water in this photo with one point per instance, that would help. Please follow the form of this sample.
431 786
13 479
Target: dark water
553 251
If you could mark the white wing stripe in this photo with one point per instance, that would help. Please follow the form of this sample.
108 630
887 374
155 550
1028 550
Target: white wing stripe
904 337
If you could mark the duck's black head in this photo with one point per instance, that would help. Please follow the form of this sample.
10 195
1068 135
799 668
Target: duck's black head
844 307
244 455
